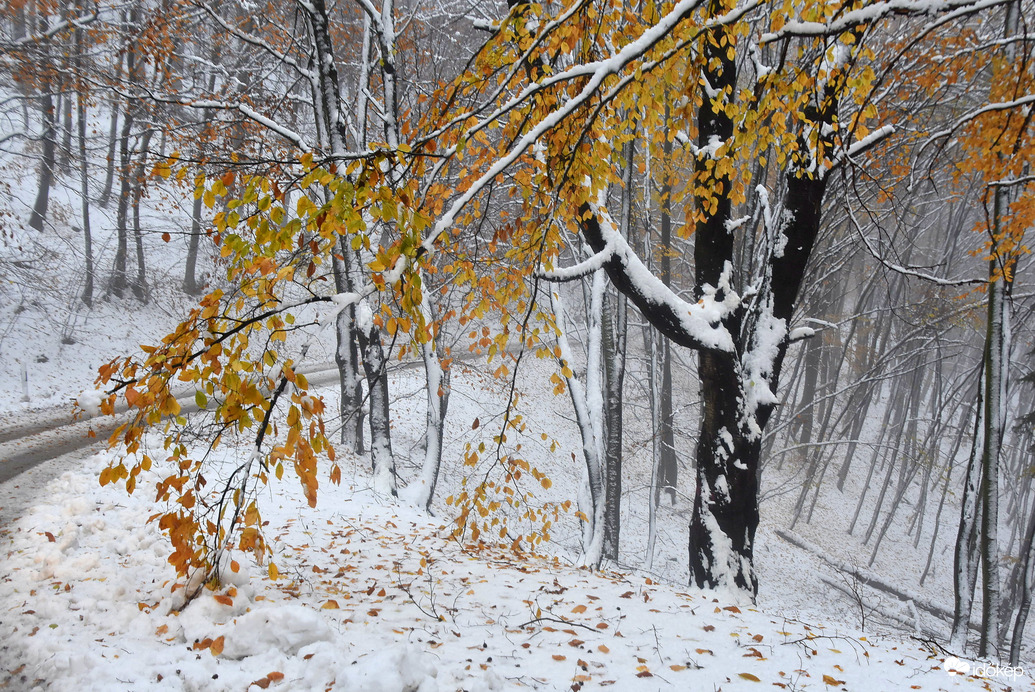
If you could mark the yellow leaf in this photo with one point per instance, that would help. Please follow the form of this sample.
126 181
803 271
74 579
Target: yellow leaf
274 572
330 605
749 676
832 681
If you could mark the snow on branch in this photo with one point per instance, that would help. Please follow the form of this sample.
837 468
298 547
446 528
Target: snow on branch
294 137
977 113
253 40
863 144
871 13
907 271
693 325
63 25
580 270
595 73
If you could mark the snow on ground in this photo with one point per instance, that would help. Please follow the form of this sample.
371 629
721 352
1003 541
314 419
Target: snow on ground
375 596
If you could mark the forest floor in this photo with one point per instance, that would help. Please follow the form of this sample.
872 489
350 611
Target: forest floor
374 595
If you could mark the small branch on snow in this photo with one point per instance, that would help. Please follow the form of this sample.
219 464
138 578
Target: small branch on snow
560 621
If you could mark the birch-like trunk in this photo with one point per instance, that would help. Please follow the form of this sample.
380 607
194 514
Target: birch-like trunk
437 387
1027 577
995 349
347 358
587 400
965 561
327 100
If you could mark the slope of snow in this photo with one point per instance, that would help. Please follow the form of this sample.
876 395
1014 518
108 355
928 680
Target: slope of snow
375 596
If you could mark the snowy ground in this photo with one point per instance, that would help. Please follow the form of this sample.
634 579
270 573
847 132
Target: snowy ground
375 596
88 602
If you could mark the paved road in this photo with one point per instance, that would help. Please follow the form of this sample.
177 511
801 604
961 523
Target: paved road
49 434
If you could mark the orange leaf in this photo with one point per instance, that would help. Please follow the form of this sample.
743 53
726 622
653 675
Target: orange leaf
275 676
832 681
676 667
217 646
225 600
330 605
559 657
579 609
603 649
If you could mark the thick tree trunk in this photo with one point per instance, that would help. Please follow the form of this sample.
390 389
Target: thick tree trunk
725 511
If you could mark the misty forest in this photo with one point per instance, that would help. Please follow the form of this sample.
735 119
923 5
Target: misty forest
420 346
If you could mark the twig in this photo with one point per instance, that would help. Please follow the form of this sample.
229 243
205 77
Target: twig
561 621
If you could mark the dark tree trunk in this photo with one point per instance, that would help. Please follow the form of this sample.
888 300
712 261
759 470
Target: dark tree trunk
346 356
84 189
139 284
113 140
117 284
47 164
725 511
190 273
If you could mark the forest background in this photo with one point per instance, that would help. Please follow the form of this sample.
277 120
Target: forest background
833 192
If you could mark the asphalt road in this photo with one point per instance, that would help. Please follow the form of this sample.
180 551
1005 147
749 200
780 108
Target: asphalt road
28 439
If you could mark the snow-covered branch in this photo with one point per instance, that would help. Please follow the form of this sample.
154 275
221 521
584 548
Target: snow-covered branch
253 40
872 13
580 270
907 271
595 73
693 325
